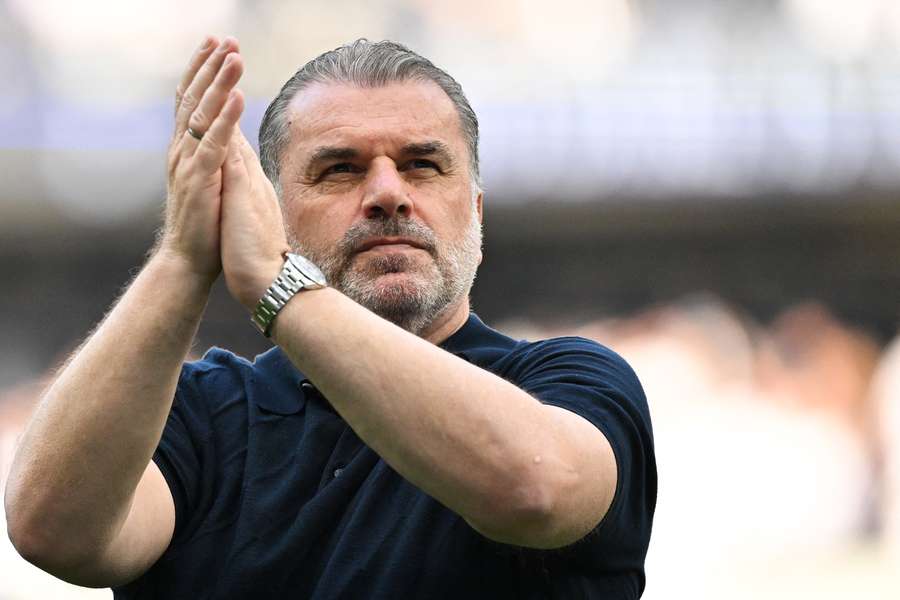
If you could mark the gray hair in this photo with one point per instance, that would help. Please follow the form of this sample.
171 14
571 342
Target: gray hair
365 64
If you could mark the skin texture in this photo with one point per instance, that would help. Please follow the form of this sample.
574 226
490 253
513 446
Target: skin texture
518 471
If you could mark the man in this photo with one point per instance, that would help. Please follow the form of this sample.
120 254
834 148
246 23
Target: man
392 445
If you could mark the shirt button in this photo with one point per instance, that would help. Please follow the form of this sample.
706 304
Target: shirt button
338 471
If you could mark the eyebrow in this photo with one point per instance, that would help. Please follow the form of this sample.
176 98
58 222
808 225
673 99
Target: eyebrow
431 148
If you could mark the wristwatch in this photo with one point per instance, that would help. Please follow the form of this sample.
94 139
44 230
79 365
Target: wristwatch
298 273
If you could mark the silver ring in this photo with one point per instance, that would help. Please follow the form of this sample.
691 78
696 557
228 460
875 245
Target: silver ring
195 135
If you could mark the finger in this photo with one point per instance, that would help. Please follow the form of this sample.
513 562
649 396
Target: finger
215 96
212 149
233 169
197 87
252 165
248 154
197 59
246 150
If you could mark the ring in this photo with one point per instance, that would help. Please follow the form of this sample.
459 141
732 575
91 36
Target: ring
194 134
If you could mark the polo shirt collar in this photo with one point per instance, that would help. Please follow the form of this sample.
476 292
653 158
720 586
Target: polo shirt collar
275 383
473 336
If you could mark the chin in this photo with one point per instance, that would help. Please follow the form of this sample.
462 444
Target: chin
409 300
407 290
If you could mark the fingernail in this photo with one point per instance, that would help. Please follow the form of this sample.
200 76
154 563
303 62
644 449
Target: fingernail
231 43
206 44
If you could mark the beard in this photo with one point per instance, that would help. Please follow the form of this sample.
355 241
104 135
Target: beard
422 288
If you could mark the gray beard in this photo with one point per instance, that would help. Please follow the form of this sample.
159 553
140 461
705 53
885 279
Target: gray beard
427 290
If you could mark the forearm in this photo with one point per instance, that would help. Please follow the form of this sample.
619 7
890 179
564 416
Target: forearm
472 440
95 430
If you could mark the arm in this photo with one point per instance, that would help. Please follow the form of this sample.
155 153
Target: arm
84 501
518 471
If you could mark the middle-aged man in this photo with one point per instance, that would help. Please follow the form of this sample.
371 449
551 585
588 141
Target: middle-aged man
391 445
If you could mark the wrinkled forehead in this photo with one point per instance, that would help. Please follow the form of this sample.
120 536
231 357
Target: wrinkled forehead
372 118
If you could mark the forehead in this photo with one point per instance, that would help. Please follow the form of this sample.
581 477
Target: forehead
372 118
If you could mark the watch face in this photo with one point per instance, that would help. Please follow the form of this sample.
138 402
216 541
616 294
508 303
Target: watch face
308 268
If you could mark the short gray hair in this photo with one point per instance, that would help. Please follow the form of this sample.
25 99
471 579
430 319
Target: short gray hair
365 64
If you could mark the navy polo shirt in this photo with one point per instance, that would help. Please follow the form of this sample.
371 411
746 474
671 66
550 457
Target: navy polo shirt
276 496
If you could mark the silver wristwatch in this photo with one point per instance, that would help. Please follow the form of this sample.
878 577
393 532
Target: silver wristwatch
298 273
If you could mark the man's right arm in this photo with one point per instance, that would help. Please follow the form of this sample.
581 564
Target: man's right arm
84 501
83 465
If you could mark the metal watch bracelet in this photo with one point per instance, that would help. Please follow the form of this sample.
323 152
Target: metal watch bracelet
297 274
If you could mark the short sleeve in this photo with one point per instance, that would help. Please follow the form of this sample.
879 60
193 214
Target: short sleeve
592 381
206 424
181 449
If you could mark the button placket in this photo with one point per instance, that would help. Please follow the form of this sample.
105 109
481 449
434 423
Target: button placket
347 446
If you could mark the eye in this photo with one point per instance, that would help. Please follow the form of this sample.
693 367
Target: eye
421 163
340 168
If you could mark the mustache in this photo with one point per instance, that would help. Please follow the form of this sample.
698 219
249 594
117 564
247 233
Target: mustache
363 231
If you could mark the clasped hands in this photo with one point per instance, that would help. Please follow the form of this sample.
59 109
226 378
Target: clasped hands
222 213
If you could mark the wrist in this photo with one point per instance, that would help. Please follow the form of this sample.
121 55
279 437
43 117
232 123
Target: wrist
263 276
179 269
296 274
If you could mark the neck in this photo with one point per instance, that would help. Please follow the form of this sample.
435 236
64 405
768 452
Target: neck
448 322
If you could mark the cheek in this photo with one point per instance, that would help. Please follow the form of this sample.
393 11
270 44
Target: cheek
452 206
460 216
320 228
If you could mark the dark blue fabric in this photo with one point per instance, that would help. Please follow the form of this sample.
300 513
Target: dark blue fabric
276 497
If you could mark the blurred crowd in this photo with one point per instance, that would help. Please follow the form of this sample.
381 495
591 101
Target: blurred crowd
778 448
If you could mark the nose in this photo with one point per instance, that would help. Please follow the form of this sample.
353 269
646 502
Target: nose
386 194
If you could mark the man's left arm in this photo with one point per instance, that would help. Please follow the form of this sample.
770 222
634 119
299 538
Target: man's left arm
518 471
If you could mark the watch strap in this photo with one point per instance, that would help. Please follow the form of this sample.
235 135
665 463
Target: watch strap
297 274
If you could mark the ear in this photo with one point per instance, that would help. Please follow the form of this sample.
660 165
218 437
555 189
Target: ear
479 206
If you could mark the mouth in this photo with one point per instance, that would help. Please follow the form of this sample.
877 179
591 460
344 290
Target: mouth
391 244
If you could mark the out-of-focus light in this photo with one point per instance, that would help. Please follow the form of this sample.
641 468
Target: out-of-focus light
892 24
580 38
102 186
843 30
886 395
87 45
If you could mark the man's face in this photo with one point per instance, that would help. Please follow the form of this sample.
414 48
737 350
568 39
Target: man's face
376 190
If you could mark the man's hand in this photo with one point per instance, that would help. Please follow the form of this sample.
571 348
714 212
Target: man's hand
207 103
252 229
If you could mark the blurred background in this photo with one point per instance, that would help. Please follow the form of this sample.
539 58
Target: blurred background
709 187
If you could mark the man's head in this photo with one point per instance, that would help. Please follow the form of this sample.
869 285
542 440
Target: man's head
362 64
373 152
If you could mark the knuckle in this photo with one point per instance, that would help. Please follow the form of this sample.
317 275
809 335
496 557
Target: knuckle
205 161
192 167
198 118
188 100
184 170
